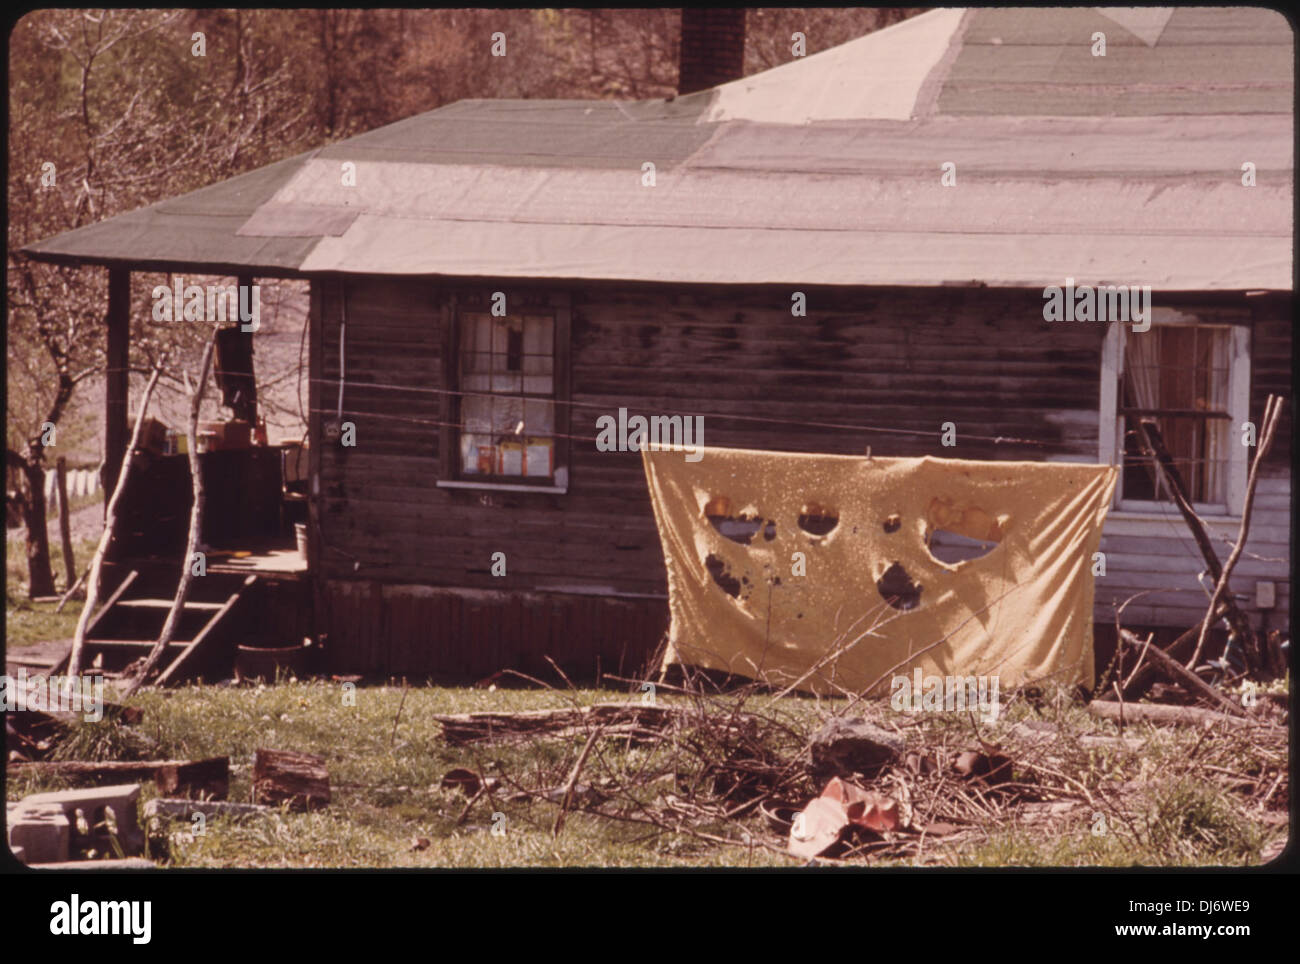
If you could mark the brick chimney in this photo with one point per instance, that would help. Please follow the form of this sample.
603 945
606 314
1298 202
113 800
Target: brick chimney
712 48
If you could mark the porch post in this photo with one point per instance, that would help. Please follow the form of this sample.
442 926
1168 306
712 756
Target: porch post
116 377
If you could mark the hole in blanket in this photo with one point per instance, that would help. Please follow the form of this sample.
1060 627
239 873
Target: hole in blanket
953 547
817 520
897 588
737 528
725 580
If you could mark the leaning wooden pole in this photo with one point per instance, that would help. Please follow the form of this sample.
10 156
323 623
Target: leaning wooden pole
1272 409
1178 673
1236 619
196 528
1178 490
110 523
72 590
65 522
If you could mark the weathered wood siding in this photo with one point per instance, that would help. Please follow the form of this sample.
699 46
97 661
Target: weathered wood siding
898 360
442 633
1167 561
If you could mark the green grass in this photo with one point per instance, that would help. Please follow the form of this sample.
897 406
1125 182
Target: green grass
28 622
386 787
1182 823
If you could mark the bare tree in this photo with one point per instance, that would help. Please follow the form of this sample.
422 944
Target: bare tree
146 119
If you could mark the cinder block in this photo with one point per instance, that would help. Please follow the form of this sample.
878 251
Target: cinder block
124 801
41 833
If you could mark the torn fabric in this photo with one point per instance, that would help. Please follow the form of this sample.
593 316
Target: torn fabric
816 571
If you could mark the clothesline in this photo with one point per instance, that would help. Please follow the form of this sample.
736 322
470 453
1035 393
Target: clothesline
806 423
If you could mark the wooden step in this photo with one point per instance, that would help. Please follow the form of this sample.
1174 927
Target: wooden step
167 604
180 652
144 645
173 672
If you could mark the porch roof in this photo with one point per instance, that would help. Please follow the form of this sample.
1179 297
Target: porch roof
1124 168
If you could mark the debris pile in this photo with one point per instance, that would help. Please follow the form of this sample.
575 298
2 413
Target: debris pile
850 781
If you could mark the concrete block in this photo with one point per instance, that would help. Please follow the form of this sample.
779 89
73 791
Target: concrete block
123 800
42 833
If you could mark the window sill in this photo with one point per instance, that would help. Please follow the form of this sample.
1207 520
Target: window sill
1210 513
502 487
1130 522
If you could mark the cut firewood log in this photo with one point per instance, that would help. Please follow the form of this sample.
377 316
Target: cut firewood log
283 776
206 779
118 770
1046 734
1149 713
619 719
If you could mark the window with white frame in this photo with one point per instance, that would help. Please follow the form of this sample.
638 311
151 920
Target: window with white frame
507 381
1192 380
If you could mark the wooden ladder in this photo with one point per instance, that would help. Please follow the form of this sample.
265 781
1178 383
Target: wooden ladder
116 635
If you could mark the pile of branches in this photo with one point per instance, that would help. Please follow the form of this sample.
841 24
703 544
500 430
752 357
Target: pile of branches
700 761
734 767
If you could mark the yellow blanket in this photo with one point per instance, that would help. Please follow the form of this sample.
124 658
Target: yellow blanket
837 590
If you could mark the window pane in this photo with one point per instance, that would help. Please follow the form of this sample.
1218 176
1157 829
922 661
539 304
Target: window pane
476 361
477 413
539 417
539 457
537 364
477 335
507 413
500 337
539 338
508 429
1176 373
511 383
1198 448
477 453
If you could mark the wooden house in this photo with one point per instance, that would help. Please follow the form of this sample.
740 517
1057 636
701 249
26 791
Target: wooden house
848 251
